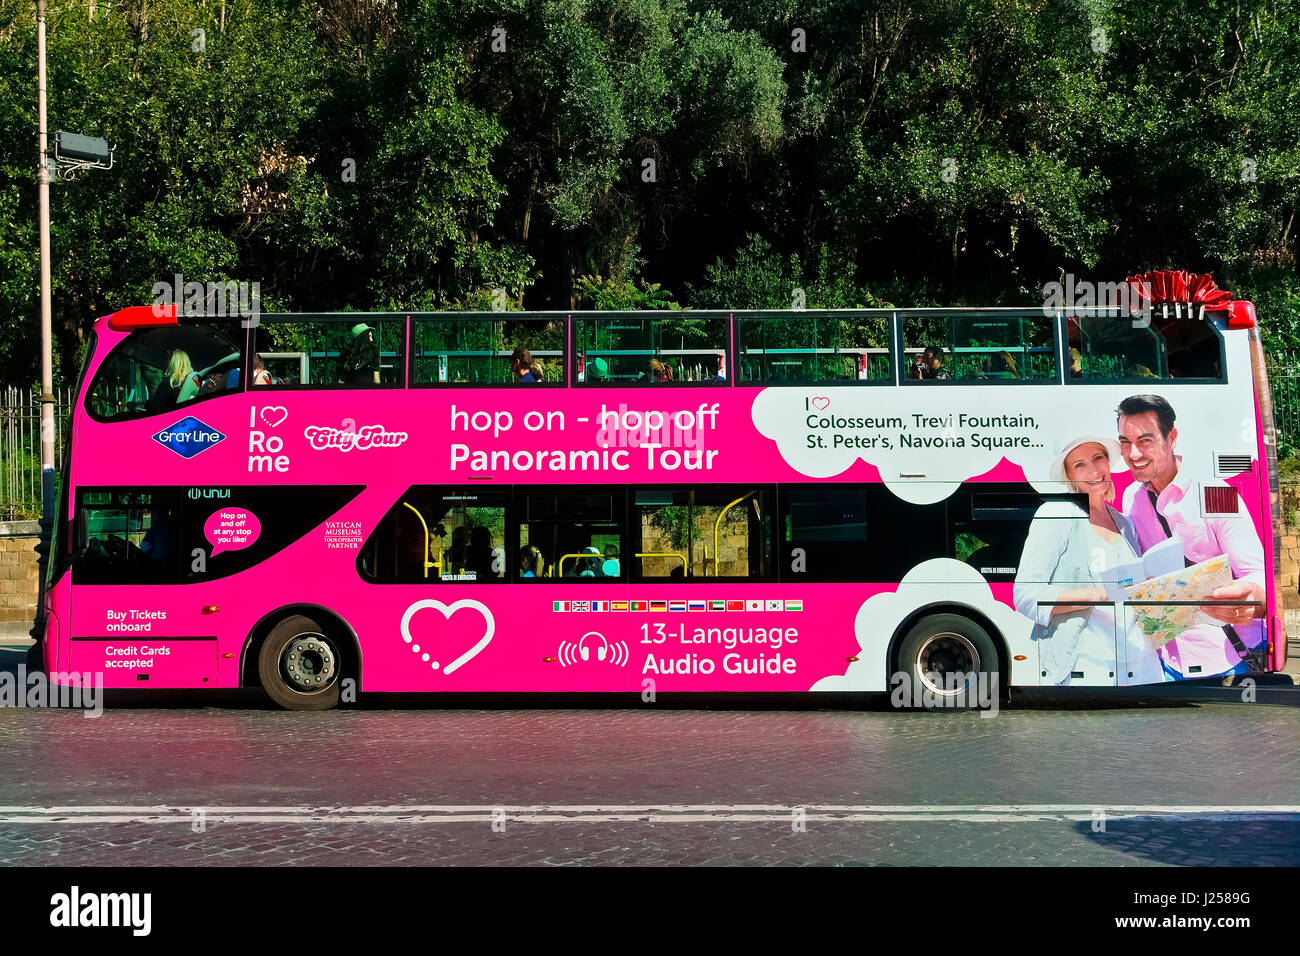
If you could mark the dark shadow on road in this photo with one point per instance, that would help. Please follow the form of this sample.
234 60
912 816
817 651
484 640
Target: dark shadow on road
1197 843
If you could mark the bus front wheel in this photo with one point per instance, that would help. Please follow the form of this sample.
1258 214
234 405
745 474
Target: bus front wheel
300 666
949 661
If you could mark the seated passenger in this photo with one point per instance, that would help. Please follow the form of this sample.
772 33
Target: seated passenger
522 366
660 372
456 554
932 363
359 363
158 540
587 567
179 383
481 557
531 562
260 375
1001 366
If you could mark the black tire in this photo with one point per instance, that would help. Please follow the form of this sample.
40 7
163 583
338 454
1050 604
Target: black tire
949 659
300 665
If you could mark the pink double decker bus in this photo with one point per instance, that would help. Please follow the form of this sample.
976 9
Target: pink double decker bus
920 502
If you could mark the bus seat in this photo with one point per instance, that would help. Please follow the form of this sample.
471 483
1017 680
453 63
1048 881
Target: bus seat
188 390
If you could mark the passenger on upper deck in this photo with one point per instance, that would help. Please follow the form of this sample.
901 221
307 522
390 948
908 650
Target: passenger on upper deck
932 363
359 363
260 375
660 372
179 373
521 364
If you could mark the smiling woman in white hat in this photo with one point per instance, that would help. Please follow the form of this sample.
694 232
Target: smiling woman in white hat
1059 579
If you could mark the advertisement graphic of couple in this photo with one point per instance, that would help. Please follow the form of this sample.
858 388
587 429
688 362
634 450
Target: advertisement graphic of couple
1082 582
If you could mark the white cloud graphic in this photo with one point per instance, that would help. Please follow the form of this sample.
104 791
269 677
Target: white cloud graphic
959 432
940 581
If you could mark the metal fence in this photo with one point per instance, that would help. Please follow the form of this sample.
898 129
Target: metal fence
1284 383
20 448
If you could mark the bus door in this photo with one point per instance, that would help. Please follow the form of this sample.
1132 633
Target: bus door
129 620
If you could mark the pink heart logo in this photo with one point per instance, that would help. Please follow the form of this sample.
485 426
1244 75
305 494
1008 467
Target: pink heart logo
821 402
481 632
278 412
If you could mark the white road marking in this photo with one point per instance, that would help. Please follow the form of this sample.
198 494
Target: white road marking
668 813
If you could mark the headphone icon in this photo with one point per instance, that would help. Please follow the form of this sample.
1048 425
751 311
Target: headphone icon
600 651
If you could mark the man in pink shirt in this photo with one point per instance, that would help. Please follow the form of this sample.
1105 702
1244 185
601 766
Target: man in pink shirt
1165 502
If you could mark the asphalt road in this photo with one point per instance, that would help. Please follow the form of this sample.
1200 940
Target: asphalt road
1199 777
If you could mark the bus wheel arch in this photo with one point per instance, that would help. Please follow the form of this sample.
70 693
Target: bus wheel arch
337 634
949 616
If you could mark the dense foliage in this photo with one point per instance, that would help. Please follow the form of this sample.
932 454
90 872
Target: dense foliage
651 153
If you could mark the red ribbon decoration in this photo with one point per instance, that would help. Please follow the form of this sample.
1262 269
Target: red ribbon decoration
1177 288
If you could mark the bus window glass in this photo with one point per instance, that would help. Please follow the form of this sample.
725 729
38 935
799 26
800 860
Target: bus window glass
1126 349
340 352
811 348
703 533
825 531
170 535
639 348
494 350
979 348
158 369
570 534
436 534
988 526
128 535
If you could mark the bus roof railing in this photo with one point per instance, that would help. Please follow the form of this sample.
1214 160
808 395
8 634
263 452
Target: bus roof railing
135 317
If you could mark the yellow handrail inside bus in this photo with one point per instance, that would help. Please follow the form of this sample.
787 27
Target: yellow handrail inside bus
423 524
717 526
560 563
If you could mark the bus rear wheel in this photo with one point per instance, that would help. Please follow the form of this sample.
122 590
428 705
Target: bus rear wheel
300 666
949 660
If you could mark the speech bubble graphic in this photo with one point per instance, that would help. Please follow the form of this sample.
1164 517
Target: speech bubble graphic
231 529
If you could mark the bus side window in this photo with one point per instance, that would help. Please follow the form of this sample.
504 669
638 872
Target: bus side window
807 348
435 534
646 348
477 350
569 534
1122 348
703 533
825 532
979 347
127 535
345 352
862 533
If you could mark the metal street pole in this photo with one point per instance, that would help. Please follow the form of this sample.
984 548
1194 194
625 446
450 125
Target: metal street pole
47 351
35 654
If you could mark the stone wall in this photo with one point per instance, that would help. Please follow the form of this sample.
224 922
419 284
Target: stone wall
18 577
1288 569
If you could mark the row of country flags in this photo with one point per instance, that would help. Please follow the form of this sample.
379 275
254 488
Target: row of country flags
689 605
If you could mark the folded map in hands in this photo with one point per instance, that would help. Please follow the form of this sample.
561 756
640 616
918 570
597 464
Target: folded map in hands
1161 623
